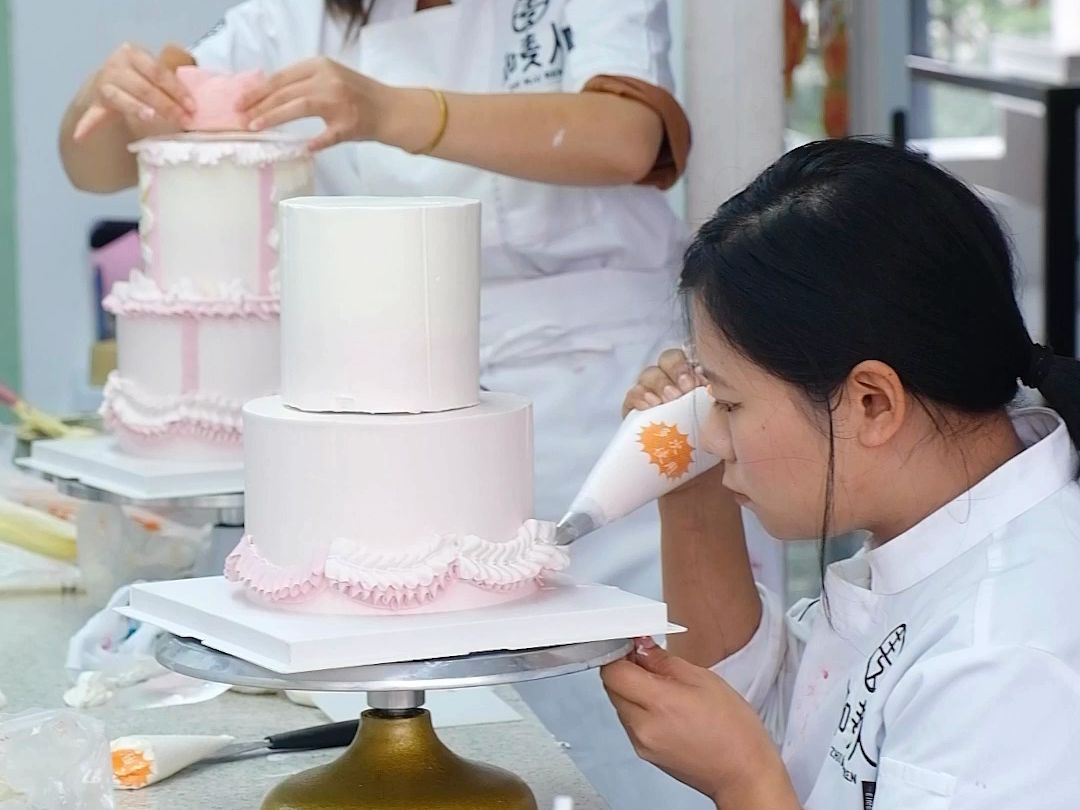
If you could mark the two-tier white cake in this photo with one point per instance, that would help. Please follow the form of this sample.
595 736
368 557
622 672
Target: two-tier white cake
197 327
382 478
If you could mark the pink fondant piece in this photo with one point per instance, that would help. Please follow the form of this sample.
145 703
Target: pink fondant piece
216 96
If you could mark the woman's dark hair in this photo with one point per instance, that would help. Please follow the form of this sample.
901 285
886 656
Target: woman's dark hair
354 12
849 250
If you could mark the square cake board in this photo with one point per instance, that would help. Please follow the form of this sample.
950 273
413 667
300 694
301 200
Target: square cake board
220 615
97 462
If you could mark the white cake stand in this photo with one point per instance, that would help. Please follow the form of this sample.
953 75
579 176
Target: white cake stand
91 470
396 762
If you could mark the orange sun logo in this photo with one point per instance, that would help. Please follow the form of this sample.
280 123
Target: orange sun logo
668 448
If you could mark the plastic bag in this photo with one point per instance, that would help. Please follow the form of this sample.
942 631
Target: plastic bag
111 661
54 760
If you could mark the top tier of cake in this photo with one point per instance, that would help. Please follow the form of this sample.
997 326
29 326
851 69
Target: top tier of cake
380 304
208 221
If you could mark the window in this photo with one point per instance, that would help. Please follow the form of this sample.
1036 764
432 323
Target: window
965 32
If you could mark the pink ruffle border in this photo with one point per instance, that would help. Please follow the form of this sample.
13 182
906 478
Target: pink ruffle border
278 584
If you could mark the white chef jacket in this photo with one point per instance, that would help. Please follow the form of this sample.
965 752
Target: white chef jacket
946 673
578 284
483 46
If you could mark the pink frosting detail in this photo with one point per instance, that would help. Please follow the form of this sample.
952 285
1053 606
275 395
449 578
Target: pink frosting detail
211 434
394 598
498 587
246 565
125 410
140 295
189 355
216 97
279 584
291 585
267 222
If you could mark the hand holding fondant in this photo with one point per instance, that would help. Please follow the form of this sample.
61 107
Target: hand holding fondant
141 89
687 721
350 103
217 96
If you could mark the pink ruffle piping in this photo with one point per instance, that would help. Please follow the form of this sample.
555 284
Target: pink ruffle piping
278 584
183 428
258 307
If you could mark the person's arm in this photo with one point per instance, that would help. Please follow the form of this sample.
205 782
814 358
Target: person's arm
132 96
589 138
708 583
584 139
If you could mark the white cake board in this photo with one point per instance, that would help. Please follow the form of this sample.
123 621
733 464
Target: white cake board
97 462
221 616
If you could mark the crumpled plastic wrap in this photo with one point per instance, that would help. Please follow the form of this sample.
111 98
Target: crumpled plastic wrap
54 760
111 660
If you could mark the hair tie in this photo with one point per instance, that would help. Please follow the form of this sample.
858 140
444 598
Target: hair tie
1042 358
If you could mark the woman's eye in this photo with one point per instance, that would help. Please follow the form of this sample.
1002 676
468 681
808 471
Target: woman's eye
726 407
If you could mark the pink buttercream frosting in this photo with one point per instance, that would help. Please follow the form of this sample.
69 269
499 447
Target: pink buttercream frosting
128 408
216 96
401 581
141 295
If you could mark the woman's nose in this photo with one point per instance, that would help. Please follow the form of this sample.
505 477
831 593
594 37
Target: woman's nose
715 436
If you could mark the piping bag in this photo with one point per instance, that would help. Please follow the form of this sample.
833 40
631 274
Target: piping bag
38 421
652 453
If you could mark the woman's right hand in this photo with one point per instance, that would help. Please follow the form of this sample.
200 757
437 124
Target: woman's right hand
669 379
142 90
672 377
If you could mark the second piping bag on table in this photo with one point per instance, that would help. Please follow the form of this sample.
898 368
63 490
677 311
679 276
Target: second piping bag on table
652 453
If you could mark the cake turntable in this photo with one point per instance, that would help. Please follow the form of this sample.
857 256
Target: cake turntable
396 761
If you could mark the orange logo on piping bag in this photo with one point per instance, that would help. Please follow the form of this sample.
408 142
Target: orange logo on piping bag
668 448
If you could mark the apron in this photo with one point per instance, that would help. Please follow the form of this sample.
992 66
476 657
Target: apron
570 337
572 342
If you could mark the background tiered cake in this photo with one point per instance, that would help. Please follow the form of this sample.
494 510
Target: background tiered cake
197 327
382 478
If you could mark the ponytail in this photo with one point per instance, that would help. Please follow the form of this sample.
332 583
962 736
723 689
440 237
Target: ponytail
1058 380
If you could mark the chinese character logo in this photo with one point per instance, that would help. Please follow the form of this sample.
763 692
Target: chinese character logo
527 13
668 448
883 657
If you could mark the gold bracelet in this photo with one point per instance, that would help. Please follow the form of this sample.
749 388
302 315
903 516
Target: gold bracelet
444 118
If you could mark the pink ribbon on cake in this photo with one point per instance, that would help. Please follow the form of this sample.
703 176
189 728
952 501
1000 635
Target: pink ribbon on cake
267 223
189 355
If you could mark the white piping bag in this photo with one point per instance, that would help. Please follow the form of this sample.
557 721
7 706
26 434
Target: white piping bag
652 453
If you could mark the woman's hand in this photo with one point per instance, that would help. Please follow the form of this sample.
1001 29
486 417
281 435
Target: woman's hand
143 90
687 721
350 103
669 379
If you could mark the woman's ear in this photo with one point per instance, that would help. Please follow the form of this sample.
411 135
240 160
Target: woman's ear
877 403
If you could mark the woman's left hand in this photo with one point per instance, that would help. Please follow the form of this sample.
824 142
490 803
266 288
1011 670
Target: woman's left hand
349 102
687 721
